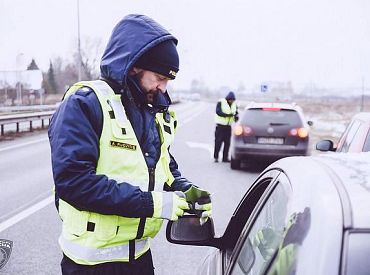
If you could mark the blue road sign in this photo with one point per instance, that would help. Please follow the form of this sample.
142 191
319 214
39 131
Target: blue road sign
264 88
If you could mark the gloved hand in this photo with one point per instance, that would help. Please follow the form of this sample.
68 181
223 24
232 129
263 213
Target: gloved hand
200 202
169 205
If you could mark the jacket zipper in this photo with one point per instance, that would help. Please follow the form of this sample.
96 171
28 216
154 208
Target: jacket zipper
151 171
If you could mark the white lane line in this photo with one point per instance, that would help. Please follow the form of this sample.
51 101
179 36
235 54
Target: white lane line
11 147
204 146
193 114
24 214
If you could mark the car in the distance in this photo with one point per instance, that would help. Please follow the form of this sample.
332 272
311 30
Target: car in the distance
302 215
269 131
355 138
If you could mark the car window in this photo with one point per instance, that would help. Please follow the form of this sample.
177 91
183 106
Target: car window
266 117
346 141
246 207
358 254
266 233
366 147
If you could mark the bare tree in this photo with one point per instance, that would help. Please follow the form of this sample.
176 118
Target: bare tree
91 52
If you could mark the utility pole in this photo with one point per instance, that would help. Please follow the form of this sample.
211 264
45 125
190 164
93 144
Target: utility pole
78 41
18 61
363 94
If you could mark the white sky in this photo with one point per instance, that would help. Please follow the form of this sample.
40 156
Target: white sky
224 43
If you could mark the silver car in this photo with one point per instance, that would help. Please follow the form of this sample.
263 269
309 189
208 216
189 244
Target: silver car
302 215
355 138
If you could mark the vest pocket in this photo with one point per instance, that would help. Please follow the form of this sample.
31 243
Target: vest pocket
75 221
106 227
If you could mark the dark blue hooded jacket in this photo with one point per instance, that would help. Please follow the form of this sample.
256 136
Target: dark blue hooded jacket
76 127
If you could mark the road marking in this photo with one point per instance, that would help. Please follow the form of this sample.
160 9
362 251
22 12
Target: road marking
204 146
192 114
24 214
22 144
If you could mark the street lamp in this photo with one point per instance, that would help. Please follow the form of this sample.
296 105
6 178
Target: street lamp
78 41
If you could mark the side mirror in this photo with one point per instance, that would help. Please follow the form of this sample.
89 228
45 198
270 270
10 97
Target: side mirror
310 122
187 230
325 145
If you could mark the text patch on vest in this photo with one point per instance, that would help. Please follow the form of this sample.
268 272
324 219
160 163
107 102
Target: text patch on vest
123 145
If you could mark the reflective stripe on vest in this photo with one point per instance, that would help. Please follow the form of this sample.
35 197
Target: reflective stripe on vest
99 255
120 158
226 109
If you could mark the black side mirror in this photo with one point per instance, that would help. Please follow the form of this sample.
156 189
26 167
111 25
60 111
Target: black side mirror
325 145
310 122
187 230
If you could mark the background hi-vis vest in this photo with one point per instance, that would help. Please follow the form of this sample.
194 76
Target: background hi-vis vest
227 109
121 159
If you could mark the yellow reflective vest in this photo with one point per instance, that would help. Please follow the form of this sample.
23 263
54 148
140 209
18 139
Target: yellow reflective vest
91 238
227 109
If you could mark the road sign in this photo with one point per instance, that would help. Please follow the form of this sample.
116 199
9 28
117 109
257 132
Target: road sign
264 88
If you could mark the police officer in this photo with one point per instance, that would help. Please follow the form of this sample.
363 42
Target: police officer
226 114
115 179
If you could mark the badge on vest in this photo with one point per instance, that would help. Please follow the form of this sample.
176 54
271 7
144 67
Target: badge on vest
123 145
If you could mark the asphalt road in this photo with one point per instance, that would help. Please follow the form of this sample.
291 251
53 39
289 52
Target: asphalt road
29 219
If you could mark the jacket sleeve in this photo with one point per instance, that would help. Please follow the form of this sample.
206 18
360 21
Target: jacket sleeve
180 183
74 134
219 110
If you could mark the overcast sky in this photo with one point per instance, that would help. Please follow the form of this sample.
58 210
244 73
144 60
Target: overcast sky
223 43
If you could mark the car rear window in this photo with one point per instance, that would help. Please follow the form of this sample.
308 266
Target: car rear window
358 254
261 116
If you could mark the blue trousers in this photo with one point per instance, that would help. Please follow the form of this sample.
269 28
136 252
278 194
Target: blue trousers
222 135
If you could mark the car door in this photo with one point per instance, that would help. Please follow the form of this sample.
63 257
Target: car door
217 262
243 212
263 233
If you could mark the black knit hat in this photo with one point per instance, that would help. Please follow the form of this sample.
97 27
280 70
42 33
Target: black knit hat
162 59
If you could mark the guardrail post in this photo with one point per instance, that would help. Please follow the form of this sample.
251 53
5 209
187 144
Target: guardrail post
17 127
42 123
2 129
30 125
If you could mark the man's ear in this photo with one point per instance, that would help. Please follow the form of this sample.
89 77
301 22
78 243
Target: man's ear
135 71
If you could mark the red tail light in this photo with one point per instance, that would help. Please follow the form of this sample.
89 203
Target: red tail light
242 130
238 130
299 132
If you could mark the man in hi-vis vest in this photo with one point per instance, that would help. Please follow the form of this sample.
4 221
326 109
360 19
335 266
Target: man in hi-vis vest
115 179
226 114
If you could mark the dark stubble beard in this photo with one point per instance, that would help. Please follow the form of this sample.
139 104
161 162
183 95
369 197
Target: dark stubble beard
150 95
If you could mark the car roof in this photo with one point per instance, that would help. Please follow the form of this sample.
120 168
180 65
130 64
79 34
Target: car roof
348 173
364 116
288 106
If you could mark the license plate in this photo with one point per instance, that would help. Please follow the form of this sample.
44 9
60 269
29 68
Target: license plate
270 140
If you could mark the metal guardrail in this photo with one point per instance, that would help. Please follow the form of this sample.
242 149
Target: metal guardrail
27 108
25 117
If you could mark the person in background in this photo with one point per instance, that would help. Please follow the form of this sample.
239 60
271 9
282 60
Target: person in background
226 114
115 178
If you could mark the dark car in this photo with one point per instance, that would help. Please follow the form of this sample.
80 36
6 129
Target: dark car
355 138
269 131
302 215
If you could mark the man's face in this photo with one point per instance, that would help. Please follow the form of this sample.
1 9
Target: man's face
230 101
151 83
